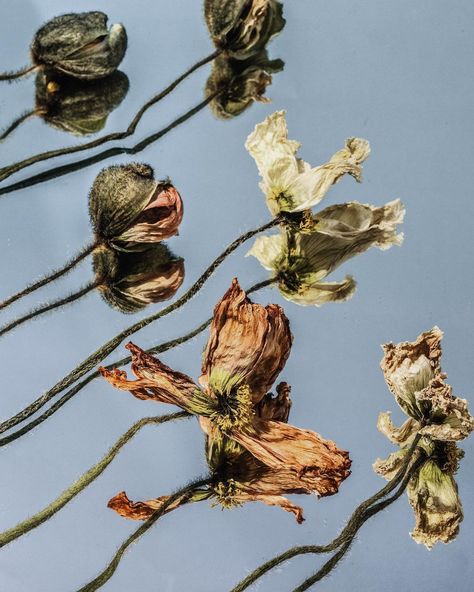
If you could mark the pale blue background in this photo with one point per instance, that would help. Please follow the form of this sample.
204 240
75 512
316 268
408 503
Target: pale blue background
397 73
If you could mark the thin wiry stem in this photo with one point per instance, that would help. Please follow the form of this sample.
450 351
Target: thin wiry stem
10 76
95 358
5 172
109 571
84 480
348 532
17 122
59 171
48 307
50 277
157 349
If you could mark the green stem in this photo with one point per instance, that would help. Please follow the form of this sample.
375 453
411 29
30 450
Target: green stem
157 349
17 122
108 572
86 479
7 171
95 358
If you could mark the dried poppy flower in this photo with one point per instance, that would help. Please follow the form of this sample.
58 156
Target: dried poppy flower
247 349
289 183
79 107
131 281
301 260
240 83
80 45
413 373
129 208
243 27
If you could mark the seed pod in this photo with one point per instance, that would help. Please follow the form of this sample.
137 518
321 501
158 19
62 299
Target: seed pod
80 45
130 281
240 82
79 107
129 208
243 27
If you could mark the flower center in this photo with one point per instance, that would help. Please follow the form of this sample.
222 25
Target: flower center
226 493
234 409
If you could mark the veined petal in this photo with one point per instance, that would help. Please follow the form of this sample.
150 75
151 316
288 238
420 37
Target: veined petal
271 250
319 293
402 435
389 467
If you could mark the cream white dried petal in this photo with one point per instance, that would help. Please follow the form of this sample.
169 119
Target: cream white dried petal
402 435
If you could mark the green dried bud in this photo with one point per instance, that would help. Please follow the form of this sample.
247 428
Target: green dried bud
129 208
239 83
243 27
79 107
80 45
131 281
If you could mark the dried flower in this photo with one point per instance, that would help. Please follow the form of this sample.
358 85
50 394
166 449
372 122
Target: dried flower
252 451
79 107
243 27
240 83
129 208
289 183
131 281
301 260
80 45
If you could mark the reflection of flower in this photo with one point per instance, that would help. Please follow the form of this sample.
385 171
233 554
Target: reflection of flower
128 207
240 83
413 373
243 27
80 45
301 260
131 281
253 452
289 183
79 107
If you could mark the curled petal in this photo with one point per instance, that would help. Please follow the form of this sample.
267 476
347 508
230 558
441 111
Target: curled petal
402 435
389 467
247 341
271 500
276 408
318 463
271 251
319 293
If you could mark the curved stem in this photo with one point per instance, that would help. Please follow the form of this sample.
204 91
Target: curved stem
51 277
18 74
95 358
84 480
17 122
5 172
59 171
351 528
157 349
48 307
108 572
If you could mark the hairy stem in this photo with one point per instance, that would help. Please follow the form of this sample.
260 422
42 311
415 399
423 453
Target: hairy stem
17 122
84 480
51 277
108 572
9 76
95 358
11 169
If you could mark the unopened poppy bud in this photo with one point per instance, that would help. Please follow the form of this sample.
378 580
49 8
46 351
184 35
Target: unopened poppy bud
80 45
129 208
243 27
131 281
79 107
239 83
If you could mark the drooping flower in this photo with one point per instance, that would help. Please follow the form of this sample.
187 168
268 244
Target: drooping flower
79 107
413 373
300 261
80 45
131 281
253 453
289 183
240 83
128 207
241 28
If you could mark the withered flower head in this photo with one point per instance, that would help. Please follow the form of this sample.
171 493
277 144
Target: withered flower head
129 208
302 260
240 83
413 373
253 453
131 281
243 27
289 183
79 107
80 45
